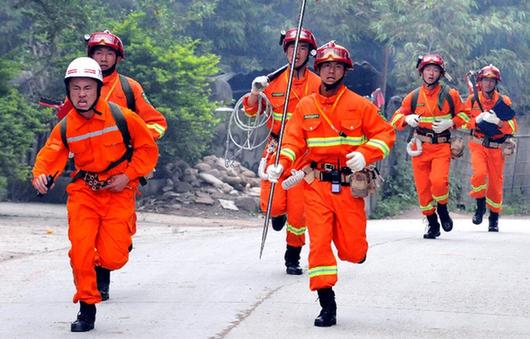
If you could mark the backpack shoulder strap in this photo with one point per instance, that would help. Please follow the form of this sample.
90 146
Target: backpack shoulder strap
414 100
118 116
444 96
62 129
129 94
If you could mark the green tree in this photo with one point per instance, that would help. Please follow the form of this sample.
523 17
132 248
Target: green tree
176 80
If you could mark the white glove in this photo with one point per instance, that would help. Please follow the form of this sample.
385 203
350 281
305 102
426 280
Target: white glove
274 172
442 125
356 162
491 117
412 120
295 178
259 84
480 117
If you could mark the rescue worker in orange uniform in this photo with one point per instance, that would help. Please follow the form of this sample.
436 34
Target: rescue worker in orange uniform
342 133
107 49
101 196
286 206
432 110
487 158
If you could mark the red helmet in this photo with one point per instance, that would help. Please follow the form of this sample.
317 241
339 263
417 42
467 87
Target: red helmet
430 59
489 71
333 52
105 38
290 36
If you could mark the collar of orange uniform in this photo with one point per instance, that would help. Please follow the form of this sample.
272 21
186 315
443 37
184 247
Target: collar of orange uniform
111 81
297 81
329 100
489 102
431 91
80 120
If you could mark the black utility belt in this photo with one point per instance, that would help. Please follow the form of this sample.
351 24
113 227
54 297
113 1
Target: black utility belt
337 177
487 142
427 135
91 179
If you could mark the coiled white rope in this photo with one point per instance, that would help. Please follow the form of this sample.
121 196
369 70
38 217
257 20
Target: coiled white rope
250 126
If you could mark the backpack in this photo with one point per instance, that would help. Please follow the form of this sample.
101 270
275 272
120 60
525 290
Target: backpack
443 95
119 118
129 94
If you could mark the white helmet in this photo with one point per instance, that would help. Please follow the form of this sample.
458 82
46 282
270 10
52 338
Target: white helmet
84 68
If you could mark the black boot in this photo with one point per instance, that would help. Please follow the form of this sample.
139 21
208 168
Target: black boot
328 314
480 211
85 318
292 260
278 222
445 219
493 222
433 229
103 281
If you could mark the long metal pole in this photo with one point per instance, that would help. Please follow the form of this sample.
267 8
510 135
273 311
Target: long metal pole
282 126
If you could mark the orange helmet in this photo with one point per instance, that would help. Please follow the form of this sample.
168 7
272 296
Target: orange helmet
105 38
290 36
430 59
333 52
489 71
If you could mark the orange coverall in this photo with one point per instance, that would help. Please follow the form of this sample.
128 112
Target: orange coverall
112 91
488 163
337 217
285 201
431 167
100 220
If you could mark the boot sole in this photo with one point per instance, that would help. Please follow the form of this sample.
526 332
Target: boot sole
294 271
319 324
74 328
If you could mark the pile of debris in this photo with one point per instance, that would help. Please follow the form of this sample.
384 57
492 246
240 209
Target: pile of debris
209 184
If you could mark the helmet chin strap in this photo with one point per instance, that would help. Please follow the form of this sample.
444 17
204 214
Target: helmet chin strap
109 71
330 87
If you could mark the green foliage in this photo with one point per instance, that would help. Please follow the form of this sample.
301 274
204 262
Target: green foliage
175 80
19 125
398 191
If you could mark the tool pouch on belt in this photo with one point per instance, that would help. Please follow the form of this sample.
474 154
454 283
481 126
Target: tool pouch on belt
457 147
508 147
365 182
91 179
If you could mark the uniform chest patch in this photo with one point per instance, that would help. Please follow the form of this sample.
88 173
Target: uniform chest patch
311 116
277 94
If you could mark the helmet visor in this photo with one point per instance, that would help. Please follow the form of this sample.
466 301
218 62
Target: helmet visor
102 39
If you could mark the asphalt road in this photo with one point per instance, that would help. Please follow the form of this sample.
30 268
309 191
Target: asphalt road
201 278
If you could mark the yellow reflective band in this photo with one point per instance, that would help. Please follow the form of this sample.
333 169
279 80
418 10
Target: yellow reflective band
431 119
158 128
278 116
396 118
322 270
379 144
441 197
463 116
479 188
427 207
288 153
493 204
92 134
335 141
294 230
512 125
